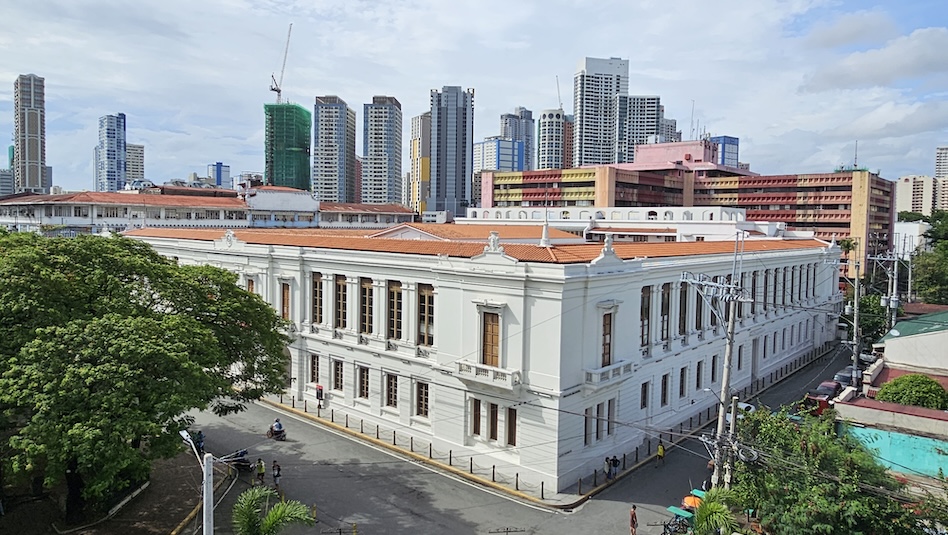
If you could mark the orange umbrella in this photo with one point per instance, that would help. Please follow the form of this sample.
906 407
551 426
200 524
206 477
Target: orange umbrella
691 501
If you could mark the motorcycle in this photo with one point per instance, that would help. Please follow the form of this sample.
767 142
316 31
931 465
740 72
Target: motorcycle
238 460
198 440
276 434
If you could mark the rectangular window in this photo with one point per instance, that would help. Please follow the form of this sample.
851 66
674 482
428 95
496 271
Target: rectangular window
775 342
421 399
285 301
783 294
611 416
714 368
682 382
600 407
753 293
773 302
606 339
683 310
665 385
699 311
793 283
339 322
391 390
764 305
337 375
808 280
644 313
250 285
476 417
699 374
394 310
364 382
490 343
313 368
587 435
740 304
317 297
666 310
643 403
714 303
492 421
740 357
511 426
365 305
425 315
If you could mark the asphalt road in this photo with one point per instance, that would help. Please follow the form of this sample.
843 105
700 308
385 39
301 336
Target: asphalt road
351 482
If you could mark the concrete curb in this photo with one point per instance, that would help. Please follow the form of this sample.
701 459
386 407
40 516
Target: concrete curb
197 509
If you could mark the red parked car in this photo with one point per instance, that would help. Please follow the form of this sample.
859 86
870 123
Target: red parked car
818 400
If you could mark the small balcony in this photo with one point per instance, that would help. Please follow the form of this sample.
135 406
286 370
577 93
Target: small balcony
614 373
482 374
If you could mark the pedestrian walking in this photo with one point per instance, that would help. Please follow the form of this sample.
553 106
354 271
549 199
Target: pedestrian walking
261 471
615 466
607 468
633 520
660 454
276 475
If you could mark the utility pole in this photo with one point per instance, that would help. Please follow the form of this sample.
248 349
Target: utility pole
208 494
857 338
732 439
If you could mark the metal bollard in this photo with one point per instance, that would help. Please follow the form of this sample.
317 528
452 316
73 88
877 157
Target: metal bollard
281 398
362 426
580 486
293 401
394 438
411 444
493 473
472 465
636 455
595 478
690 422
623 461
376 432
304 405
429 450
347 421
450 457
319 410
517 481
332 415
541 491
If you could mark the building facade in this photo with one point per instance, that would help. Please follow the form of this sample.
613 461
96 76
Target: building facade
728 150
111 158
596 85
334 156
569 127
917 193
30 173
498 154
219 174
134 162
6 182
287 145
420 173
452 145
520 126
941 163
382 151
551 145
473 347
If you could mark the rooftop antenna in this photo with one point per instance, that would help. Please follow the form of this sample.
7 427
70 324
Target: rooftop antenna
856 156
692 119
277 86
558 97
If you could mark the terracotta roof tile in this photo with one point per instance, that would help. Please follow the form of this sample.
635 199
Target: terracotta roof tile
278 188
559 254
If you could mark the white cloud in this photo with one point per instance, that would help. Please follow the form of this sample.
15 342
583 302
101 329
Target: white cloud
193 76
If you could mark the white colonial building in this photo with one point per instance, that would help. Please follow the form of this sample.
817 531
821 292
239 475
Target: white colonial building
539 360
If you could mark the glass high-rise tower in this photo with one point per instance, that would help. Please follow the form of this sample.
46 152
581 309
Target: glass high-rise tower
452 146
111 156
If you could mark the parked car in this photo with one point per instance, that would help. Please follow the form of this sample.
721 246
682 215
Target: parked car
742 409
818 400
845 376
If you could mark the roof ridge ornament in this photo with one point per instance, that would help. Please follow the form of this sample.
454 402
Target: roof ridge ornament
493 243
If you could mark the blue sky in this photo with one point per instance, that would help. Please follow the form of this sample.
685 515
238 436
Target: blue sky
798 81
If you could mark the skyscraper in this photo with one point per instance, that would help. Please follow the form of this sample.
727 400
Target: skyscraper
29 123
111 154
135 162
550 139
219 174
286 147
640 119
498 154
420 173
452 138
6 182
569 126
519 126
334 157
728 149
941 163
595 88
382 151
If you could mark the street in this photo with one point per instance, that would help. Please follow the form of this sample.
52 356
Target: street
352 482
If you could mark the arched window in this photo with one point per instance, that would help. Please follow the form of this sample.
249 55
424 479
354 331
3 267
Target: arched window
652 215
564 214
669 216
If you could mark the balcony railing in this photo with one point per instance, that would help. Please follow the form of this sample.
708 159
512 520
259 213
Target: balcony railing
607 375
474 372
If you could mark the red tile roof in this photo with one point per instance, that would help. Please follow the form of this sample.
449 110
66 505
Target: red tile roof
451 231
558 254
887 374
357 208
136 199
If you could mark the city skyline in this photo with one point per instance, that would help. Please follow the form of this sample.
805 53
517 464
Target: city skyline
798 84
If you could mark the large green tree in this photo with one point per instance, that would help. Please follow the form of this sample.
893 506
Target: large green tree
915 389
809 480
872 320
931 275
104 347
939 231
911 217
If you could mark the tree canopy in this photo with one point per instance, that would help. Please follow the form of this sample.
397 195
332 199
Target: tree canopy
939 231
912 217
931 274
808 479
104 347
915 389
252 516
872 320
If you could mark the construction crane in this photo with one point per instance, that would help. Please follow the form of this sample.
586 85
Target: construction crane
277 86
558 97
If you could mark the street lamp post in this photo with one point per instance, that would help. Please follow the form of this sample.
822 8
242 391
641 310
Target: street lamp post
207 467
